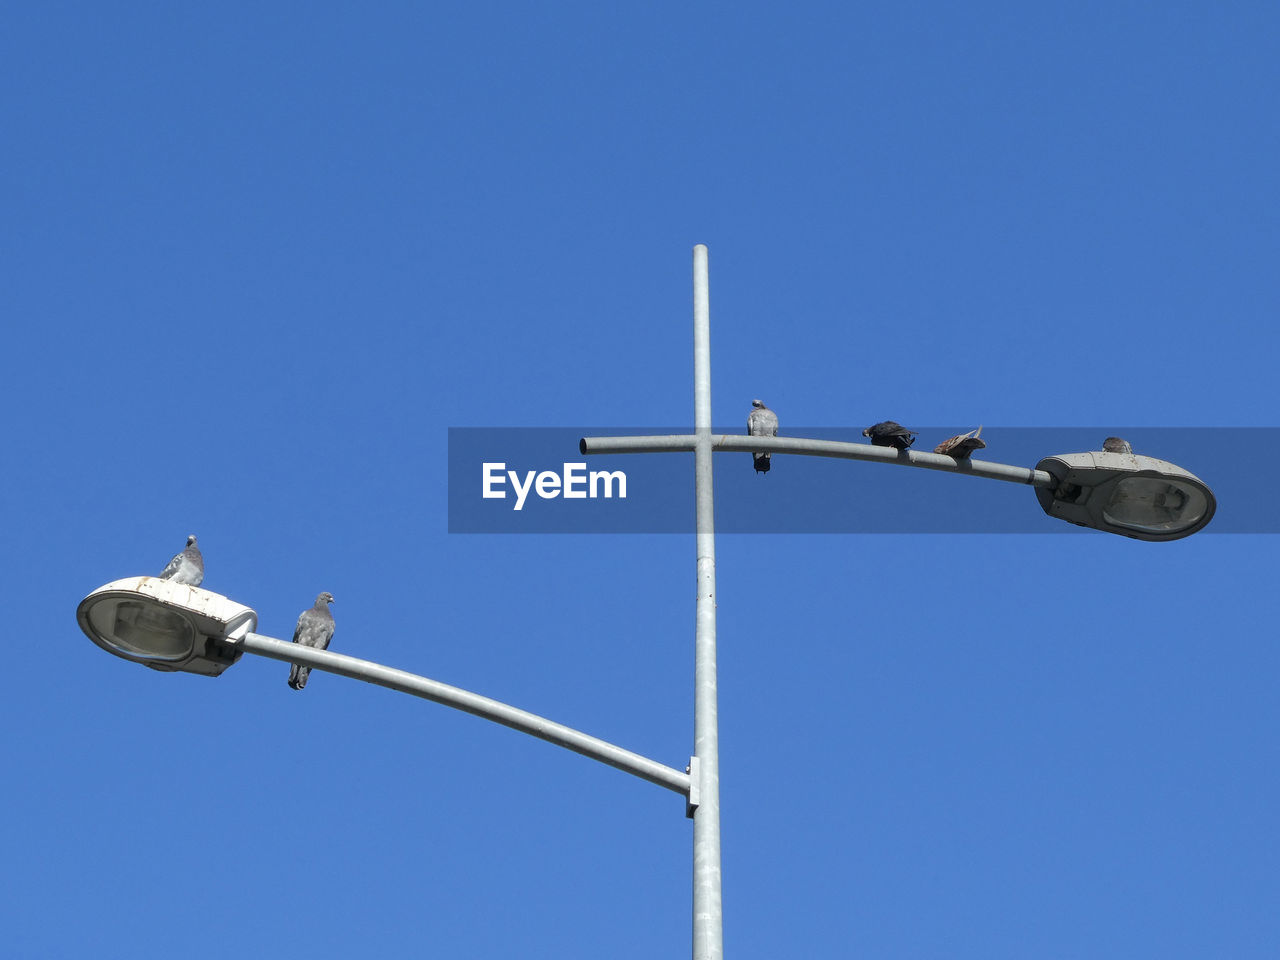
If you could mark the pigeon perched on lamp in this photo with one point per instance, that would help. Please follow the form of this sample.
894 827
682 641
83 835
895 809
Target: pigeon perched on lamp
890 434
186 567
961 445
761 422
315 629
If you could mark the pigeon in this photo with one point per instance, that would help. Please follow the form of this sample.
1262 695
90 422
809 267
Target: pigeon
761 422
890 434
315 629
1116 445
186 567
961 445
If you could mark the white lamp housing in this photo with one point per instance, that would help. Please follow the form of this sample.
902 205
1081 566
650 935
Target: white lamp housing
1123 493
166 625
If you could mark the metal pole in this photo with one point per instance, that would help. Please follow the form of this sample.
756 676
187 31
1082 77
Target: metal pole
708 934
820 448
465 700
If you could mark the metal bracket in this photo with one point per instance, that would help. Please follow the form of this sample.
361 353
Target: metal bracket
694 770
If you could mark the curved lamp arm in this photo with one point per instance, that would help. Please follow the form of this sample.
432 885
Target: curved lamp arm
820 448
469 702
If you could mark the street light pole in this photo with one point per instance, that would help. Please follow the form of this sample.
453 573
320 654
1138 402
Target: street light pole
174 627
708 925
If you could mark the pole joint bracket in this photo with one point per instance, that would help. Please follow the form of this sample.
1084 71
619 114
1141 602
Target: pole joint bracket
694 770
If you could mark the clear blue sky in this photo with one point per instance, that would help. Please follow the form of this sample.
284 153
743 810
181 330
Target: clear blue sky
257 259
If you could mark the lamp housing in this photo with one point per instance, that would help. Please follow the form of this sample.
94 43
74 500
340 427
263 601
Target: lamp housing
165 625
1127 494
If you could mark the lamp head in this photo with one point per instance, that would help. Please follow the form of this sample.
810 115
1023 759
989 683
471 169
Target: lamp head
1123 493
166 625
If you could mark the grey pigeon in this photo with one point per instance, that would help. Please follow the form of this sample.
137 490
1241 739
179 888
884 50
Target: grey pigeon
315 629
961 445
186 567
890 434
1116 445
761 422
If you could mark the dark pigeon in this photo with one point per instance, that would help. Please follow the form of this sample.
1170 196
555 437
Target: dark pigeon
761 422
315 629
890 434
186 567
961 445
1116 445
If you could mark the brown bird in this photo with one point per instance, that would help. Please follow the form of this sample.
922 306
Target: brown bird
1116 445
961 445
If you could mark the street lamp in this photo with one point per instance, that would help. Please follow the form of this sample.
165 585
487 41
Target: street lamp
173 627
170 626
166 625
1134 496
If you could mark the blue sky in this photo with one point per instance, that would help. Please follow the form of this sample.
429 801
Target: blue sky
260 257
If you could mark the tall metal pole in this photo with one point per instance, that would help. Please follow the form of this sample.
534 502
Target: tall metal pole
708 929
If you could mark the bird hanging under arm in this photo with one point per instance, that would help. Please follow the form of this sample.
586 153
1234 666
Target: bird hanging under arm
186 567
315 629
761 422
961 445
890 434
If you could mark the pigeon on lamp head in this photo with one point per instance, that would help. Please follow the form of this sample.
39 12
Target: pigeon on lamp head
1116 445
890 434
761 422
186 567
961 445
315 629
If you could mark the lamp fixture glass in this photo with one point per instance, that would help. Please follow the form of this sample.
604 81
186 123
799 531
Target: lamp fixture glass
166 625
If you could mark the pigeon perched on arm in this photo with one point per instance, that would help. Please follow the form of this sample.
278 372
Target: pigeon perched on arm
890 434
315 629
761 422
961 445
186 567
1116 445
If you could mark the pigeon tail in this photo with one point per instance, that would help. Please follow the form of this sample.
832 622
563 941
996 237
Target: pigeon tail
298 676
761 461
898 441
